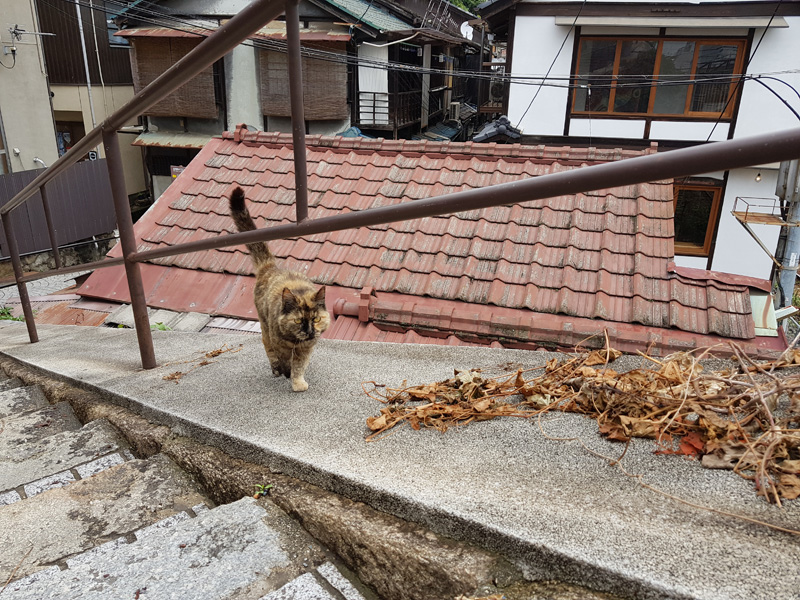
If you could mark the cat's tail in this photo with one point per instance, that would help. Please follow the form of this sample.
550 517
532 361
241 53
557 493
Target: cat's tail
259 251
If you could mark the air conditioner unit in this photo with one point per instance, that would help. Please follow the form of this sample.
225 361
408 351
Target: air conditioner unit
455 110
497 90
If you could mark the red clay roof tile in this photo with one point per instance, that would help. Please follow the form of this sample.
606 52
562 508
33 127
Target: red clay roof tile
599 255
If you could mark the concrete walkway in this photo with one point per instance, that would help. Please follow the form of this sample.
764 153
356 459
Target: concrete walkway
40 287
549 506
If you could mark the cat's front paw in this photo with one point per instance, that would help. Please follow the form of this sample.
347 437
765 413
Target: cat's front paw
299 385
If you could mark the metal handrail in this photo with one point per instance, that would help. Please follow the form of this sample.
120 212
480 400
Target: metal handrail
773 147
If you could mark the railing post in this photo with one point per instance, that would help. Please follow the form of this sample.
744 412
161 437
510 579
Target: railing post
51 230
13 251
298 112
128 244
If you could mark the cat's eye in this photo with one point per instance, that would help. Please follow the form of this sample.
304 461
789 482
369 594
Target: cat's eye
317 319
298 321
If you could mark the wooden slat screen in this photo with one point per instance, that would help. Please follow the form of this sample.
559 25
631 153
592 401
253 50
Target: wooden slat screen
324 85
153 56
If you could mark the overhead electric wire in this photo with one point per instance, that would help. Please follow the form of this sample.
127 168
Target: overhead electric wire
777 95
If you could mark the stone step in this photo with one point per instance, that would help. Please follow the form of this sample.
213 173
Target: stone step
16 399
31 466
9 383
244 550
51 527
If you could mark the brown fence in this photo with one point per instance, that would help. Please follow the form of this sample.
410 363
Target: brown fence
78 204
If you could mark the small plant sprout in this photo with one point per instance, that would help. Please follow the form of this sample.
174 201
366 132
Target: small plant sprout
7 315
262 490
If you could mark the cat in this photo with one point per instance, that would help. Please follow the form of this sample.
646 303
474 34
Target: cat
290 308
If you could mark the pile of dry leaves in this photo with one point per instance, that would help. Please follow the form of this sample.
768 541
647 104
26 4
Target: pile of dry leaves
729 419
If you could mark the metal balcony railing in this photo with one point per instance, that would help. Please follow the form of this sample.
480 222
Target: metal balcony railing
719 156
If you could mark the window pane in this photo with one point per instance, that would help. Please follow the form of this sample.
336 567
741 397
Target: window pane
596 68
713 61
676 65
692 214
637 57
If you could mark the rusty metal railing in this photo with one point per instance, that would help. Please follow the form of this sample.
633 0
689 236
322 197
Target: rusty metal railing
773 147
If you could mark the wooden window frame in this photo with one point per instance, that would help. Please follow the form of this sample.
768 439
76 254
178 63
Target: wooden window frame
684 248
687 114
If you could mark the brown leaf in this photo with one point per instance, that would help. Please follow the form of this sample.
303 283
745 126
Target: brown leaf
613 431
691 444
376 423
789 466
601 357
638 427
723 455
552 365
482 405
789 486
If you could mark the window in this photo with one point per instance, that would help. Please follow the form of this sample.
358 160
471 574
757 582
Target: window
154 55
324 85
68 132
115 40
665 77
696 211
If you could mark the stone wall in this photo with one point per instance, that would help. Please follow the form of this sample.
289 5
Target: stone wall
77 255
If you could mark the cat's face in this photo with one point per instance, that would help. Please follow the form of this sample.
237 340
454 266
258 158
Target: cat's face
303 316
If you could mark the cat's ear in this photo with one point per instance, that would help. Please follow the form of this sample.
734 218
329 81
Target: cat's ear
289 300
319 297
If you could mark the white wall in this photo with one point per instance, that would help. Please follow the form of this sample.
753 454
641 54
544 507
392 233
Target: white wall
736 251
24 95
536 41
760 111
106 100
242 87
689 131
603 128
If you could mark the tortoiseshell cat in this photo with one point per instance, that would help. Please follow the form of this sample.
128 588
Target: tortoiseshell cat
290 308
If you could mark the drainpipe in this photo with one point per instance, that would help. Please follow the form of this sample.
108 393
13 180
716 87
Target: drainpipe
86 63
788 189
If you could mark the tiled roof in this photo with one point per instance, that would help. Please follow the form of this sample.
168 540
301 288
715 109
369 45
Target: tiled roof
603 256
363 11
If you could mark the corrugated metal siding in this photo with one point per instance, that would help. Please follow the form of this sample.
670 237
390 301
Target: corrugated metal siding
80 202
63 51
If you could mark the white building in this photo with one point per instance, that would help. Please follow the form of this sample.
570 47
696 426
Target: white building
628 73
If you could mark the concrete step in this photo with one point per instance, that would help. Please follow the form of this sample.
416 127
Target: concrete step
244 550
16 399
53 526
127 528
32 466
